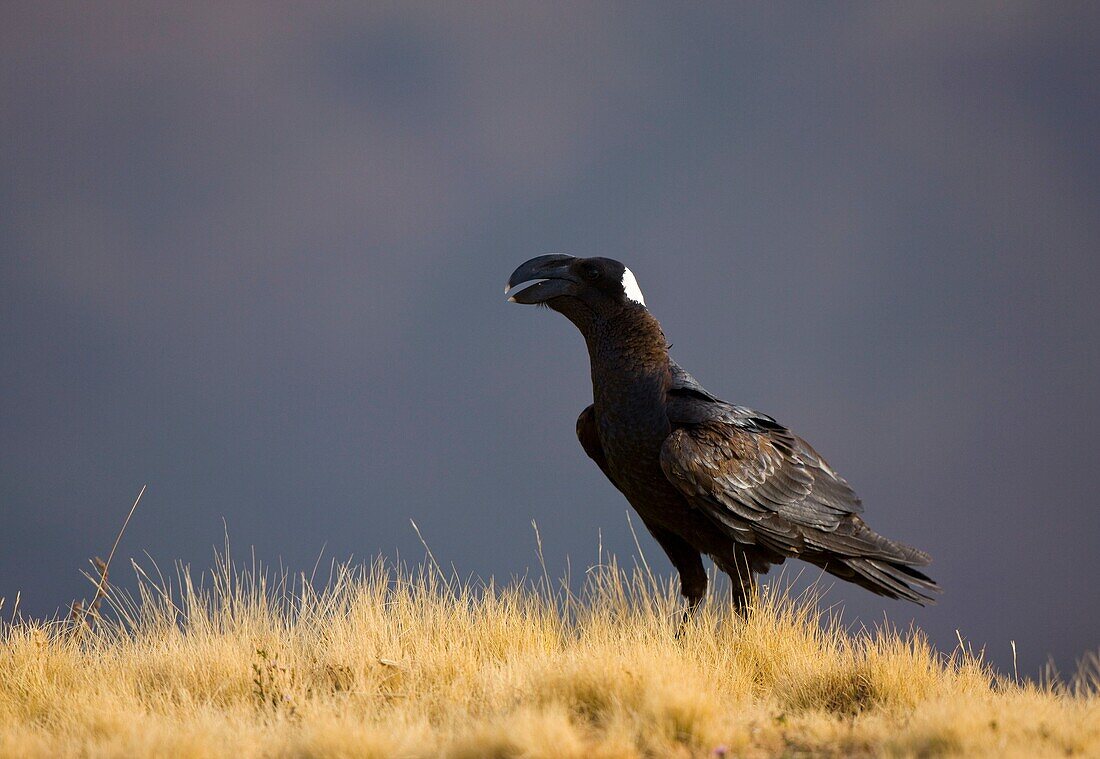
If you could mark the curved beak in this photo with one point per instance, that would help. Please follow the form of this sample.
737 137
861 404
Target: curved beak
540 279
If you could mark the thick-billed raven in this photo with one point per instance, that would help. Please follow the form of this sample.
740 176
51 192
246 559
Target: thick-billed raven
706 477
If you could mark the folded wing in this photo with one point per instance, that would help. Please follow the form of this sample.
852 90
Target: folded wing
769 488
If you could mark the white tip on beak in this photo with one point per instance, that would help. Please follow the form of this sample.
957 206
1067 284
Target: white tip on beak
520 287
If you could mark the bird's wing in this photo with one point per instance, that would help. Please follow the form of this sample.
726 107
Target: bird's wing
769 486
686 385
590 439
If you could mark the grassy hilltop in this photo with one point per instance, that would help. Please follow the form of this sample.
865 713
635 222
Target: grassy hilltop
388 662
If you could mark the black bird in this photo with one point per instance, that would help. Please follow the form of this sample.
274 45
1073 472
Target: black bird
706 476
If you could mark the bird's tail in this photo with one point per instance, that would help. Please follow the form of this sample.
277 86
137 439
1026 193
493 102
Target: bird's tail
883 566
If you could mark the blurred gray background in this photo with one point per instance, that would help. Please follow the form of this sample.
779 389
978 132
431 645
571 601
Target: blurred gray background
253 255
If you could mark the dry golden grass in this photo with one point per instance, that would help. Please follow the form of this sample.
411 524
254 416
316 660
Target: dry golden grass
388 662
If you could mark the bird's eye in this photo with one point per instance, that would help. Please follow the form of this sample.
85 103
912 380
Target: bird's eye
591 273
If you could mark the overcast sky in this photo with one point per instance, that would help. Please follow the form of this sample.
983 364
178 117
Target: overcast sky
253 255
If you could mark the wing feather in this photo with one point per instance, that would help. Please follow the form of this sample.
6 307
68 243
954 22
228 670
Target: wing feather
756 472
770 488
589 438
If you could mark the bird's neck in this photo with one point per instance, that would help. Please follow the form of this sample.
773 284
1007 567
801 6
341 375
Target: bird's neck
629 359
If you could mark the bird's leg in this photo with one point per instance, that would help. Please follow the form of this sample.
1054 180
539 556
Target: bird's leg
689 612
744 592
742 581
689 563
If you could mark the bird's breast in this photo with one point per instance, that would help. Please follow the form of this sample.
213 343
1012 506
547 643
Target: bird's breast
632 444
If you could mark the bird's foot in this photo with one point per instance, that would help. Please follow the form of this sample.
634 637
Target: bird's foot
689 614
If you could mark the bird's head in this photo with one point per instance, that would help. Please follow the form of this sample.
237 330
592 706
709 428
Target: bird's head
565 283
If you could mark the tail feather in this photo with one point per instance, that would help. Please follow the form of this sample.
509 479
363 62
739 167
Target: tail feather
860 555
885 578
853 537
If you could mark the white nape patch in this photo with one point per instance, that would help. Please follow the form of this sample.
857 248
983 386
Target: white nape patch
630 287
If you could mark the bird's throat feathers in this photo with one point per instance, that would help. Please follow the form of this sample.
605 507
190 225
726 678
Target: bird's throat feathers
628 347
